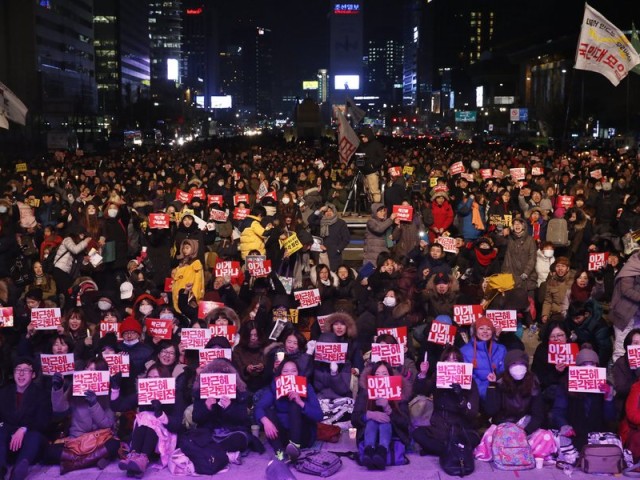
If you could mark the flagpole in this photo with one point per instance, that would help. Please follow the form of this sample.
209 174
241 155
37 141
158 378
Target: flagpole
565 133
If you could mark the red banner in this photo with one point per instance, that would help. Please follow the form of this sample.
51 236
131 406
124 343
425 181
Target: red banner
204 307
633 355
562 353
565 201
403 212
162 389
6 317
517 173
159 328
441 333
587 379
241 198
456 168
217 385
505 320
168 284
486 173
198 193
45 318
331 352
448 244
118 363
194 338
96 381
598 261
258 266
448 373
217 199
395 171
307 298
392 353
227 269
384 387
206 355
240 213
219 215
110 327
159 220
597 174
62 363
291 383
227 331
466 314
400 333
182 196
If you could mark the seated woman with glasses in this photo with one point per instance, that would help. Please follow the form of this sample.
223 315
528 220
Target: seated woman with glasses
169 356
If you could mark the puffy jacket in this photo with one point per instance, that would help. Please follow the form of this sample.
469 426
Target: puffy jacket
66 252
556 292
252 236
486 357
375 241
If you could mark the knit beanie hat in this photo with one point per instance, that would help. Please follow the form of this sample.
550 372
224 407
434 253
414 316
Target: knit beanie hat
484 322
516 356
587 355
130 324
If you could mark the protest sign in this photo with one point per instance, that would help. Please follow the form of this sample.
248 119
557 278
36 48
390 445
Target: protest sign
162 389
331 352
505 320
598 261
159 328
291 383
586 379
226 331
194 338
61 363
6 317
45 318
467 314
400 333
159 220
562 353
96 381
389 387
206 355
118 363
403 212
441 333
292 244
307 298
204 307
393 353
448 373
217 385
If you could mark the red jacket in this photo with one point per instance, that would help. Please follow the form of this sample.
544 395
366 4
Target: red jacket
442 215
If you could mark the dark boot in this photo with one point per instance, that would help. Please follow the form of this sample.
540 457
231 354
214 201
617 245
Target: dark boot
70 462
367 457
137 465
380 458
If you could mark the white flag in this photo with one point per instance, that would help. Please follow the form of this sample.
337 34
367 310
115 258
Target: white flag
348 141
357 114
604 49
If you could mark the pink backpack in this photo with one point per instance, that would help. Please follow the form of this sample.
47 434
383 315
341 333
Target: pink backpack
510 448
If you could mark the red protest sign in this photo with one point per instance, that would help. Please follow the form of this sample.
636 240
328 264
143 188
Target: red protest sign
204 307
168 284
505 320
241 198
206 355
62 363
194 338
6 317
217 385
118 363
291 383
586 379
198 193
562 353
271 194
219 215
565 201
258 266
442 334
448 373
45 318
159 220
633 355
393 353
486 173
517 173
537 171
384 387
227 269
159 328
110 327
466 314
448 244
240 213
307 298
456 168
597 174
96 381
182 196
403 212
217 199
162 389
498 174
598 261
331 352
395 171
400 333
321 321
90 173
227 331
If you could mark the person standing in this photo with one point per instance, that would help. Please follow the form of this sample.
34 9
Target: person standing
334 233
373 161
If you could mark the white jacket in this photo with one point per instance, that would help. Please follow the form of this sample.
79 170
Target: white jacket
543 266
66 252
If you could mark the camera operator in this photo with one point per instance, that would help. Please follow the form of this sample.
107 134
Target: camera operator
373 160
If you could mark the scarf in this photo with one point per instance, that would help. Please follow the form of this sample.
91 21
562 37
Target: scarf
535 230
325 222
476 219
580 294
485 259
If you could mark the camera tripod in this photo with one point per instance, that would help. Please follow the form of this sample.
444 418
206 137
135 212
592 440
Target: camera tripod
358 190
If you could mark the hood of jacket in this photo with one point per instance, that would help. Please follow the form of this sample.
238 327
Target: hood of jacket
352 330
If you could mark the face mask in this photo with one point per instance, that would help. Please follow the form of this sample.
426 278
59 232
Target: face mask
166 316
146 309
102 305
518 371
51 184
112 212
286 200
3 209
221 184
130 343
389 301
548 253
326 282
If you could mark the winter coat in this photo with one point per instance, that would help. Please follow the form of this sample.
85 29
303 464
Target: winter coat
375 241
243 357
487 357
626 293
504 406
67 251
115 230
520 258
33 412
593 330
85 418
337 240
191 273
545 371
442 216
252 236
436 304
465 213
406 236
543 266
354 352
556 292
623 380
192 232
332 386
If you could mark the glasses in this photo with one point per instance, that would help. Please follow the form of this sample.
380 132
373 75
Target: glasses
23 371
168 353
557 336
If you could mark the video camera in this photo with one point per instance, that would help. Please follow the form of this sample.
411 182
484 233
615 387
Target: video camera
360 159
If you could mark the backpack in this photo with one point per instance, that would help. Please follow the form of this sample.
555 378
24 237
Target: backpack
396 453
207 456
510 448
320 463
558 232
457 460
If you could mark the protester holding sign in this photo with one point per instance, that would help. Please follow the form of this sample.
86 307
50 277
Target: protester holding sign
451 406
290 421
626 370
331 379
248 356
486 354
379 420
343 326
253 233
188 272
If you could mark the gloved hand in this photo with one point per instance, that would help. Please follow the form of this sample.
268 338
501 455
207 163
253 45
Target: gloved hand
157 408
456 388
523 276
567 431
311 347
115 381
57 381
91 397
333 366
607 390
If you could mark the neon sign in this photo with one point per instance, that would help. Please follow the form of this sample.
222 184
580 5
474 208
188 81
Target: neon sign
194 11
346 8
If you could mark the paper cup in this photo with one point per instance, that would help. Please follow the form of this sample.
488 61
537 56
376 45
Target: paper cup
255 430
539 463
280 356
353 432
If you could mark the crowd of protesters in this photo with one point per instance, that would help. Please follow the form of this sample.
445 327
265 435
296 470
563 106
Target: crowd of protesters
77 234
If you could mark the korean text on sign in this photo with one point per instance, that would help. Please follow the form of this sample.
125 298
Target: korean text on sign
162 389
45 318
466 314
194 338
587 379
403 212
448 244
399 333
506 320
441 334
227 269
290 383
207 355
61 363
393 353
562 353
217 385
226 331
331 352
597 261
96 381
389 387
633 355
110 327
308 298
159 328
448 373
118 363
6 317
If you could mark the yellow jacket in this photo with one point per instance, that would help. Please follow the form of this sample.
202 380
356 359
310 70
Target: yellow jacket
192 273
252 238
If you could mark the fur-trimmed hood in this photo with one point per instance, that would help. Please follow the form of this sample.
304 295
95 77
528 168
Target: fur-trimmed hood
225 312
333 278
222 365
352 330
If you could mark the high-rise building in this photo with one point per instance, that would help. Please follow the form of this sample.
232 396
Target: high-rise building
47 58
122 54
165 35
384 69
323 85
413 66
345 48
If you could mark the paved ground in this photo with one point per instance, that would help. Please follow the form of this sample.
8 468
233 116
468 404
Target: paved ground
253 467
